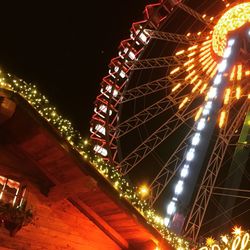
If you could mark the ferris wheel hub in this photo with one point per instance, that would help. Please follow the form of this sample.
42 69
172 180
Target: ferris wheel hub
231 20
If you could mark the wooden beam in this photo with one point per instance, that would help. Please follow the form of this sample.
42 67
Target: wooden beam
98 221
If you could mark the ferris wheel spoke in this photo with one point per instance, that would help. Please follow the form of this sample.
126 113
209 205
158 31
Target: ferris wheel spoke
169 170
151 87
168 61
204 19
155 139
201 202
163 105
177 38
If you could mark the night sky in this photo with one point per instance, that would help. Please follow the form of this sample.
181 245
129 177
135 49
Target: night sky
65 48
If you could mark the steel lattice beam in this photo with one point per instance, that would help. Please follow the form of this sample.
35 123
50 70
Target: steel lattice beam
169 170
151 87
168 61
155 139
195 14
201 202
164 104
177 38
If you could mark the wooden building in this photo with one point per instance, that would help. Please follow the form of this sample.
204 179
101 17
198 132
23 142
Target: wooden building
72 205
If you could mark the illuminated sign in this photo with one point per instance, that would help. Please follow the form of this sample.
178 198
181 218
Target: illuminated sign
237 243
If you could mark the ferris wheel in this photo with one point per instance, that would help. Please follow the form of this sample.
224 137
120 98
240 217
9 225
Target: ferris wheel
174 112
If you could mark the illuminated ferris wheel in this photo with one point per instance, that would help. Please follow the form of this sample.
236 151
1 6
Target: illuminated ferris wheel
174 112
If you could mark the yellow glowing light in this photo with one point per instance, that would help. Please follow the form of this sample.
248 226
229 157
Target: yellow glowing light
238 93
183 102
210 241
237 231
227 96
188 62
211 69
191 54
204 57
197 85
174 70
194 79
224 239
232 75
143 190
239 72
233 19
207 50
176 87
222 119
209 62
191 74
179 52
197 116
193 47
206 42
213 72
203 88
247 73
190 67
205 63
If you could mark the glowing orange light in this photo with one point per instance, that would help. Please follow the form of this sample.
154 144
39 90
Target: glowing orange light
206 42
191 74
194 79
232 75
210 61
176 87
198 114
179 52
247 73
188 62
238 93
227 96
214 71
190 67
211 69
239 72
196 86
204 57
174 71
191 54
205 51
183 102
233 19
193 47
222 118
203 88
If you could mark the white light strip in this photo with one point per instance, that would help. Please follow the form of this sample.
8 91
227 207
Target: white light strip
196 138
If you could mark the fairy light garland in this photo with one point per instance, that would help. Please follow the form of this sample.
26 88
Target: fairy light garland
83 146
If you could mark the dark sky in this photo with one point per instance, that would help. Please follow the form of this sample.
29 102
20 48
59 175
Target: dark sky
65 47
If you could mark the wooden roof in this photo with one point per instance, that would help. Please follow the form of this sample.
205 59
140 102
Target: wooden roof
61 173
